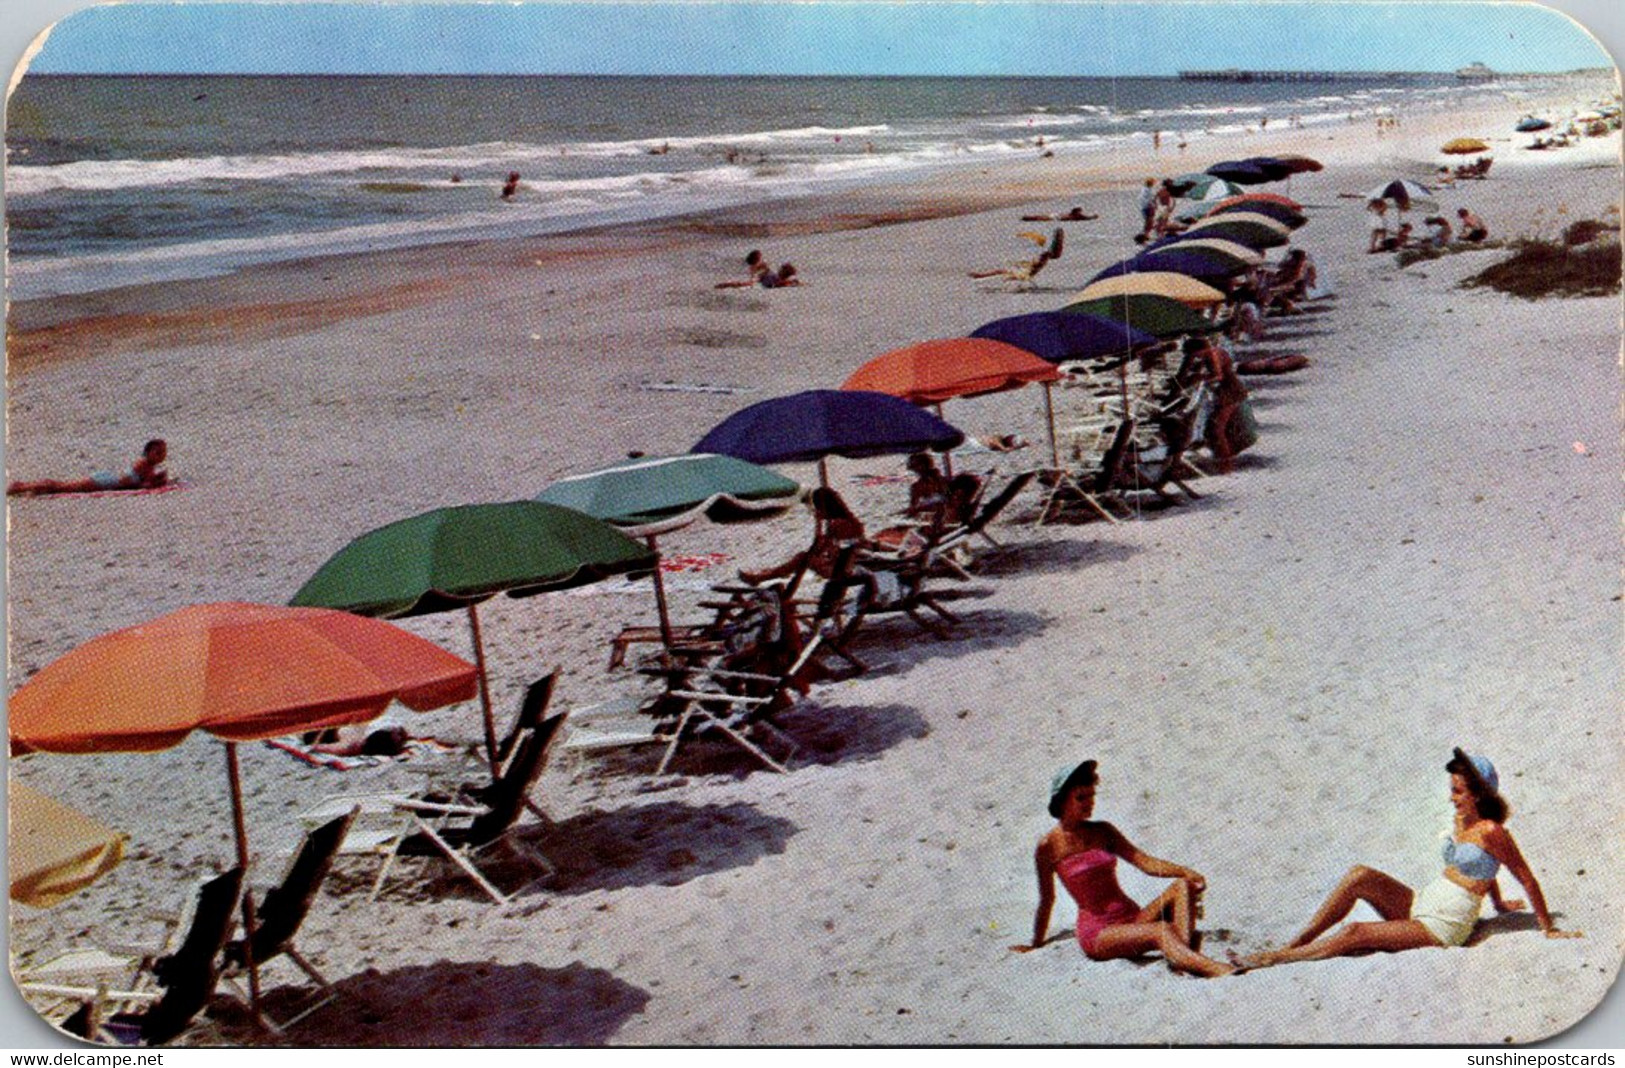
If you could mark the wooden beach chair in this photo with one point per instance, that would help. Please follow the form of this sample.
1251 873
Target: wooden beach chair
280 914
463 829
142 998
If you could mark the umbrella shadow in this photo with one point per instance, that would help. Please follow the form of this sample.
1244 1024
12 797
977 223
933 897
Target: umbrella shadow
666 843
1046 557
456 1003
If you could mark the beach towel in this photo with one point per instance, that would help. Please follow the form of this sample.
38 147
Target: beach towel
415 748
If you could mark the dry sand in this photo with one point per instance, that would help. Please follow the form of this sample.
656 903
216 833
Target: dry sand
1421 552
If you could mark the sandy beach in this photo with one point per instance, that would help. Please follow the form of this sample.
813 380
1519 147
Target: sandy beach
1421 552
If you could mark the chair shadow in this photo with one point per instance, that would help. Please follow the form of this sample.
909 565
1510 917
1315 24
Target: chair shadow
666 843
456 1003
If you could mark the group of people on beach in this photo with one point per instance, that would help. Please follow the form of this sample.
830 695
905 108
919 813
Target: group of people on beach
1442 234
1082 852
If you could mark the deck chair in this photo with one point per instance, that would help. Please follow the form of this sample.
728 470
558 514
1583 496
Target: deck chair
280 915
161 993
462 828
956 542
1095 486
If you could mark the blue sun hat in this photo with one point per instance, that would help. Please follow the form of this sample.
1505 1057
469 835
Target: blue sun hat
1065 779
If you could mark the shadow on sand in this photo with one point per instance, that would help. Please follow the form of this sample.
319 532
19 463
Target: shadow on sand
458 1003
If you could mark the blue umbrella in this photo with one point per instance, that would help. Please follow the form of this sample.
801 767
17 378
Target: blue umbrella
828 422
1206 265
1061 336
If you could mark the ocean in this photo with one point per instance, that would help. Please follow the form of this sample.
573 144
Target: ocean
117 180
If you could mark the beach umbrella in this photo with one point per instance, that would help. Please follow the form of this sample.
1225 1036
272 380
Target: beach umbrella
1282 214
819 423
1244 228
653 495
1183 288
1405 193
54 851
1198 241
935 371
1062 336
1301 164
1152 314
1203 264
1464 146
454 558
241 672
1530 124
1206 187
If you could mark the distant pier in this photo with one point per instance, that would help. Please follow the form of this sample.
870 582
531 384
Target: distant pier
1233 75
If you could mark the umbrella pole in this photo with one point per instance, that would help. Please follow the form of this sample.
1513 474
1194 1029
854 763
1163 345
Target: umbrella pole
1049 417
660 596
234 776
948 455
485 690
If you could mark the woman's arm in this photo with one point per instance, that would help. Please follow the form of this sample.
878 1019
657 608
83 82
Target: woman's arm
1046 896
1500 845
1161 869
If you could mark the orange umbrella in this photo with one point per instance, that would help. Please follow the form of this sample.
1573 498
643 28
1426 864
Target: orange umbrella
239 671
1273 198
934 371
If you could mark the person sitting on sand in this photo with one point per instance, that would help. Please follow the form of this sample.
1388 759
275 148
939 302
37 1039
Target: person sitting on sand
1084 852
146 473
1071 215
1442 233
1379 223
1026 271
1472 227
784 277
1445 912
757 269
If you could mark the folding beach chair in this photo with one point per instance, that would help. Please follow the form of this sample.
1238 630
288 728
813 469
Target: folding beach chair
464 828
136 998
280 915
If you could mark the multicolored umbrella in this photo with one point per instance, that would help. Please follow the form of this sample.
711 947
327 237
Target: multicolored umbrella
935 371
241 672
1464 146
454 558
1183 288
1405 193
1062 336
1146 312
650 496
819 423
54 851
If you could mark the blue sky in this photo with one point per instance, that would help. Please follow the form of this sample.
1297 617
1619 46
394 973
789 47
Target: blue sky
811 38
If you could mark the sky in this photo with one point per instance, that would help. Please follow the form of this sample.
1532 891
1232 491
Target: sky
850 38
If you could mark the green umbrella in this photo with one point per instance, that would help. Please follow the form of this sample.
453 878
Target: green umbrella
1144 311
653 495
454 558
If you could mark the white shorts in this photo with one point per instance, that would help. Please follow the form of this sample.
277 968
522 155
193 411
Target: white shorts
1448 911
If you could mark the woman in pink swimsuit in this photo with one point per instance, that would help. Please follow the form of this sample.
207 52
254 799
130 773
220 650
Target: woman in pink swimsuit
1084 853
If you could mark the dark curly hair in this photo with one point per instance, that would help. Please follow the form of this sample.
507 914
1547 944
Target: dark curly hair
1490 804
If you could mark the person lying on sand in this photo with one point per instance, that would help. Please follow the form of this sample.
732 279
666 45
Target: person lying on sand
1024 272
146 473
1445 912
1084 852
757 269
1071 215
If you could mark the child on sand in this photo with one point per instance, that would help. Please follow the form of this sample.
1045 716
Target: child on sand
146 473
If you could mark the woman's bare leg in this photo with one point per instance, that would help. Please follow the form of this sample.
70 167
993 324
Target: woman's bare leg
1385 936
1136 939
1390 897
